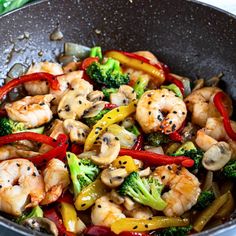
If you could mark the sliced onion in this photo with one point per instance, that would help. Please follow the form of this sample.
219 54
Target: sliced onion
208 181
16 71
157 150
77 50
56 35
65 60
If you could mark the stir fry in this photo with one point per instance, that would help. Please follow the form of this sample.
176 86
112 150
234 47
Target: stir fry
115 144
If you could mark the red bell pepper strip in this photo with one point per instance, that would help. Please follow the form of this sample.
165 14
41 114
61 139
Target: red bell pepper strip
177 82
3 113
53 82
157 159
52 215
139 143
218 101
88 61
60 145
96 230
110 106
76 148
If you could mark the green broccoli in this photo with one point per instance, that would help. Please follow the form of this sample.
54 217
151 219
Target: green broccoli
91 121
35 212
140 86
157 139
174 88
82 172
96 52
8 126
108 91
133 129
205 198
146 191
229 169
175 231
188 149
108 74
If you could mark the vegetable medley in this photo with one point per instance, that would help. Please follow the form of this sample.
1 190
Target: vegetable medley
112 143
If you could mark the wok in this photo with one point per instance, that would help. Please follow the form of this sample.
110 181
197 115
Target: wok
194 39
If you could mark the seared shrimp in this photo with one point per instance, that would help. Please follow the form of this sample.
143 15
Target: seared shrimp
200 104
32 111
73 81
21 186
152 106
184 188
41 87
56 179
105 212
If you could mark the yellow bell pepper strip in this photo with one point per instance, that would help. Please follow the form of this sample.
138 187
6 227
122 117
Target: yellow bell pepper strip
115 115
227 209
69 216
90 194
209 212
141 225
125 161
139 63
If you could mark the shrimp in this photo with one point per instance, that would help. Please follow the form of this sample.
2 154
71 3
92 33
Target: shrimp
105 212
41 87
32 111
56 179
73 81
135 74
153 104
200 104
184 188
21 186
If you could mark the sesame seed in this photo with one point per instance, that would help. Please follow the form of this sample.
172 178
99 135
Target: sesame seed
83 204
120 162
175 112
116 138
108 117
170 122
135 227
96 132
183 113
163 177
149 102
169 167
149 95
18 164
28 168
80 102
118 110
125 162
163 96
149 113
146 226
67 107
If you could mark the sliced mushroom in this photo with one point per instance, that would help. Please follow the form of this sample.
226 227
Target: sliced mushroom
73 105
217 156
77 130
113 177
116 198
95 96
124 96
146 172
41 224
110 148
94 109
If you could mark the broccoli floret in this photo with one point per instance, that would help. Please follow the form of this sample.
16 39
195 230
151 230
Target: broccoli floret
108 74
91 121
174 88
157 139
175 231
82 172
205 198
108 91
229 169
140 86
35 212
188 149
96 52
133 129
8 126
146 191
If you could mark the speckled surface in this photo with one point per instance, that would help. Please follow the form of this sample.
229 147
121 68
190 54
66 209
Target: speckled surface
191 38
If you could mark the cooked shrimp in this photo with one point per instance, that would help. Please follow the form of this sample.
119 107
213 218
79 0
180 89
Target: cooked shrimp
56 179
184 188
41 87
73 81
203 140
135 74
21 186
32 111
105 212
152 106
200 104
124 96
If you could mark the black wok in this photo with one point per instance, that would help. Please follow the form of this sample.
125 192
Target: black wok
193 39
